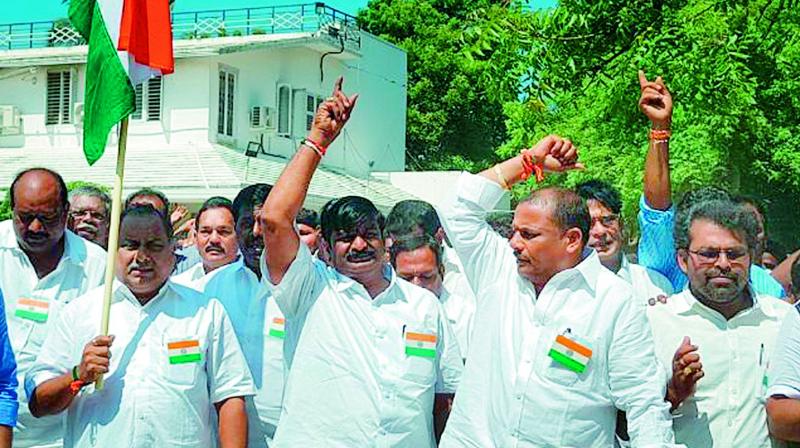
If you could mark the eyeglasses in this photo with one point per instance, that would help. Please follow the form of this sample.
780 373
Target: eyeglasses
46 220
709 256
606 220
75 214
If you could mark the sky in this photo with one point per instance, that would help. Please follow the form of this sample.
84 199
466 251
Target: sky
42 10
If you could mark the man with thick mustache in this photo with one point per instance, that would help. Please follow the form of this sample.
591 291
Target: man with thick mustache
558 343
216 240
89 214
724 331
175 358
369 351
43 266
606 238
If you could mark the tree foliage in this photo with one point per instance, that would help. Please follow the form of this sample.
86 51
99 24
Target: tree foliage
731 67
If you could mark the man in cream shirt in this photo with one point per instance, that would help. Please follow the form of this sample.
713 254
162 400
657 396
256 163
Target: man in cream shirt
717 336
559 343
43 266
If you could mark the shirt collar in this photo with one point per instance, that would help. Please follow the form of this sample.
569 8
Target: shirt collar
74 246
121 292
344 283
685 301
625 269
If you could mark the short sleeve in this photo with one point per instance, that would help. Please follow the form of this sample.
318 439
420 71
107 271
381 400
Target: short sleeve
784 371
228 373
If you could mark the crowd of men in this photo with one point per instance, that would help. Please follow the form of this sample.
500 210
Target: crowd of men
286 327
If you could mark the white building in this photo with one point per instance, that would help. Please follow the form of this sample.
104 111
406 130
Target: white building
245 87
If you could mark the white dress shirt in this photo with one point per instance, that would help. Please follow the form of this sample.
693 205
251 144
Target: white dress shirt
457 298
146 401
512 393
784 371
727 409
646 282
257 322
80 269
350 382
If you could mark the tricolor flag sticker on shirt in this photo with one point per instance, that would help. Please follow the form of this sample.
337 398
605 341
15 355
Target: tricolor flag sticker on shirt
421 344
32 309
277 328
181 352
571 353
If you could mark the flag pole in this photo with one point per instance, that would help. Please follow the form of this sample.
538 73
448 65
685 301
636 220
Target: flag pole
113 234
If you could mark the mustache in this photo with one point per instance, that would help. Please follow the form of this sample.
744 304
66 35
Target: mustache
135 265
361 255
214 246
87 227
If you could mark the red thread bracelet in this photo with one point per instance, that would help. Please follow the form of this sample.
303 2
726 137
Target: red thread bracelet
530 166
319 149
76 386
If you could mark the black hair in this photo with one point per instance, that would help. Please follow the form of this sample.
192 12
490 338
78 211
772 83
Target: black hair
147 191
796 276
567 209
702 194
249 198
142 210
602 192
308 217
724 213
349 213
62 187
412 214
409 243
502 223
213 202
90 191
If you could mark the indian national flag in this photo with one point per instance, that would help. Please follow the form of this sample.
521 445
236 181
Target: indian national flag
181 352
421 344
130 41
570 353
32 309
277 328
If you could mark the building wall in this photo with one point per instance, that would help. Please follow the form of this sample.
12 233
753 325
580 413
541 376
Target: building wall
374 140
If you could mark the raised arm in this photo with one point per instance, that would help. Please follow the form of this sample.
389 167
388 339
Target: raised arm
482 251
286 198
656 103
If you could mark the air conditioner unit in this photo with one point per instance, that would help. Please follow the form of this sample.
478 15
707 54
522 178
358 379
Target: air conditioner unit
262 117
10 120
77 113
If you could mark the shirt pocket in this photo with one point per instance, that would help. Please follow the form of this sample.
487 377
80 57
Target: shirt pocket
182 358
565 358
420 353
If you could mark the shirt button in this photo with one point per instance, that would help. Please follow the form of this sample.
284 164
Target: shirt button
519 396
382 432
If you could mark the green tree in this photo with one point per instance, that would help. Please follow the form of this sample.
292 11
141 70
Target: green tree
731 67
455 115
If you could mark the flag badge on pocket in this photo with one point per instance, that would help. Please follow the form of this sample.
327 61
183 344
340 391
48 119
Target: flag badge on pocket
571 352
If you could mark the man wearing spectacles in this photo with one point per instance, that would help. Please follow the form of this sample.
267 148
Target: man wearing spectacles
606 238
724 330
43 266
89 214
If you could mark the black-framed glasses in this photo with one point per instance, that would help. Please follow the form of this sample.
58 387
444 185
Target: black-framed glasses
708 255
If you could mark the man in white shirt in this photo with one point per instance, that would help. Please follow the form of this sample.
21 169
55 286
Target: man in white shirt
43 266
559 343
413 217
175 351
783 405
370 350
216 241
256 319
606 238
723 331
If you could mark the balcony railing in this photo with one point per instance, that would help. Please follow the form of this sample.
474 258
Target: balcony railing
310 17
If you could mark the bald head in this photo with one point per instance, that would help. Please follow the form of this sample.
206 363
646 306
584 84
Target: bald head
567 209
39 202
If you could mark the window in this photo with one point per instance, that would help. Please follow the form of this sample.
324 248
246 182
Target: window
148 100
227 90
284 110
59 97
312 104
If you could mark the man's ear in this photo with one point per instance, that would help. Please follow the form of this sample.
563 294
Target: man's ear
682 256
574 237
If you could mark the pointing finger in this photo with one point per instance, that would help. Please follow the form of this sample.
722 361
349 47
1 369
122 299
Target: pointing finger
642 79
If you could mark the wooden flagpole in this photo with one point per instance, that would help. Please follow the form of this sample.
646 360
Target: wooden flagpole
113 234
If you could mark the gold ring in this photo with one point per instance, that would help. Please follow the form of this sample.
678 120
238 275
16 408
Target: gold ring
687 371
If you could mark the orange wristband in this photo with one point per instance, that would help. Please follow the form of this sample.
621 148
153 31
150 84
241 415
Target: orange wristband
530 166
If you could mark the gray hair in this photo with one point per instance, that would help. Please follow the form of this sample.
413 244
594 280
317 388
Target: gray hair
92 192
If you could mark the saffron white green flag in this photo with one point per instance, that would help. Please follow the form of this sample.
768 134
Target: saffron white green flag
130 41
